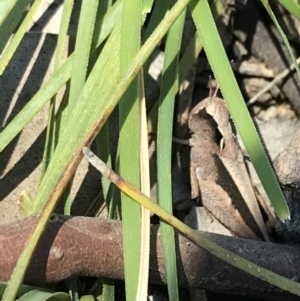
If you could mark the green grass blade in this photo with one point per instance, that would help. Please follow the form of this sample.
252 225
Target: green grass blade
292 6
39 295
129 146
169 87
221 67
10 50
36 104
6 7
186 62
63 32
23 289
83 43
87 18
51 134
105 105
87 119
159 10
86 112
283 36
147 6
55 82
102 28
103 138
75 132
108 293
11 21
105 286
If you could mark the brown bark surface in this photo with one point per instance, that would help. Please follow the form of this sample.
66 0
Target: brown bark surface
93 247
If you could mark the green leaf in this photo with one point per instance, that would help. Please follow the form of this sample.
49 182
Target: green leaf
53 128
39 295
147 6
82 50
292 6
6 6
14 43
23 289
129 146
11 21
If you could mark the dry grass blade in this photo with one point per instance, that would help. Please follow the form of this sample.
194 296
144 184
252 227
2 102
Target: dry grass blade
195 236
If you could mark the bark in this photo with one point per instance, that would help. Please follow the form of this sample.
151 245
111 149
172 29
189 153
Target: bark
93 247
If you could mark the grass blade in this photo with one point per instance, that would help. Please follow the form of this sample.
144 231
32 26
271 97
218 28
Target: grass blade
10 50
105 286
82 50
142 291
5 8
83 130
129 146
12 20
36 104
39 295
87 18
63 151
221 67
292 6
51 134
55 82
195 236
169 89
283 36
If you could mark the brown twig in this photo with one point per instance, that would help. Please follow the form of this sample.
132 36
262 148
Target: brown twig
277 79
93 247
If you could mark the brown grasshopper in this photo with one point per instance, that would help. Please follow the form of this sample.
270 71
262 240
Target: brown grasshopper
217 170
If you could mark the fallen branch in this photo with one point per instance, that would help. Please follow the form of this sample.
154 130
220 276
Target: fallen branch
93 247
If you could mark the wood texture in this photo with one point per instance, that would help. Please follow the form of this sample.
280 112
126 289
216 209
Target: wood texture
93 247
